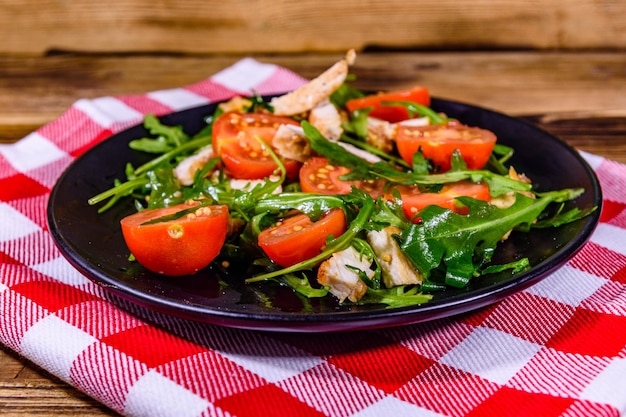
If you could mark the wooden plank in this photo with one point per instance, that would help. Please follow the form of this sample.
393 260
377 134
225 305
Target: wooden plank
240 26
27 391
35 90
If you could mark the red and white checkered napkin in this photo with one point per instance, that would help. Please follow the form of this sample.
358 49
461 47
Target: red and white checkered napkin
555 349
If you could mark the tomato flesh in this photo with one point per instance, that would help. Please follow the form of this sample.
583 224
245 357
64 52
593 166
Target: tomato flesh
413 201
438 143
176 247
235 136
318 176
298 238
393 114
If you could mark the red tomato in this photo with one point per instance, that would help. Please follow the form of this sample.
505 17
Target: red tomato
413 200
234 140
393 114
317 175
176 247
438 142
297 238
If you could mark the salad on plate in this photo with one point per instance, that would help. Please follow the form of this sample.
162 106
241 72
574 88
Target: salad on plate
332 192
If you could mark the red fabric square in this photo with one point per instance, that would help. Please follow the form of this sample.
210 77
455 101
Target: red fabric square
20 186
145 105
266 400
213 90
385 365
6 259
447 390
99 137
151 345
52 295
598 260
577 335
511 402
610 209
529 317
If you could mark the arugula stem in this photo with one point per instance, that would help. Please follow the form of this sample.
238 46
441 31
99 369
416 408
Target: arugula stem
192 144
118 190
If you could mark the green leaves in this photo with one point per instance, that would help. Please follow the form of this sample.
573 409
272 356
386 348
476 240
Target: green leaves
461 244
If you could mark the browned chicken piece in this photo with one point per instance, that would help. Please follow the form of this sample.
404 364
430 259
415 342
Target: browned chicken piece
186 169
290 142
326 118
396 268
337 273
306 97
236 103
382 134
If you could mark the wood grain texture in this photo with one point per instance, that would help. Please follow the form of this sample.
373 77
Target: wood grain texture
239 26
36 90
27 391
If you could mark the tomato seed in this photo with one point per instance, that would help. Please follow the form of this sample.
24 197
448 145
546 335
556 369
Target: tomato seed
297 228
175 231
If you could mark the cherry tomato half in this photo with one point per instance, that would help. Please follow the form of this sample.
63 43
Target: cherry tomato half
438 142
180 246
317 175
413 200
297 238
234 140
393 114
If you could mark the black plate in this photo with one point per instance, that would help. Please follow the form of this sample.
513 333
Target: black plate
94 245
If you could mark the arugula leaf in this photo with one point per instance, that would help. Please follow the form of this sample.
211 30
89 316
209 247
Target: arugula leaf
401 296
314 205
167 137
463 243
302 286
362 169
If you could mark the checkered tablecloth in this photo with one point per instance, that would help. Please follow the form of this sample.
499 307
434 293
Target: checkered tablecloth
557 348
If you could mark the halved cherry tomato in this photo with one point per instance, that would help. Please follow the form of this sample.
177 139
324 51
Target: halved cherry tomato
297 238
391 114
317 175
234 140
180 246
438 142
413 200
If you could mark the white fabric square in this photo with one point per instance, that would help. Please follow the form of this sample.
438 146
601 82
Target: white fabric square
568 285
611 237
609 386
280 362
60 269
54 344
154 395
391 406
31 152
504 357
245 75
593 160
14 224
178 98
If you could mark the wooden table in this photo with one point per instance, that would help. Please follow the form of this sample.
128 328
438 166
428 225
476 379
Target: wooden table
580 97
